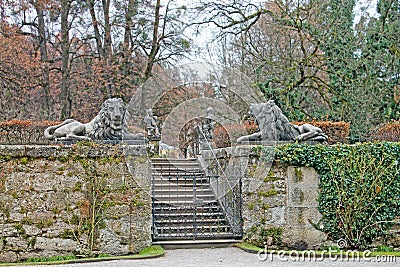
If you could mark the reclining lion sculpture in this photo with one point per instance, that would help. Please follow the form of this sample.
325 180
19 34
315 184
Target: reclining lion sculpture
109 124
274 126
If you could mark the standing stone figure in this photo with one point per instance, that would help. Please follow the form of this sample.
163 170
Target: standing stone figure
204 130
151 124
209 124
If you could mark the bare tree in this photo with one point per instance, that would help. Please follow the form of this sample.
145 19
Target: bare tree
65 94
42 38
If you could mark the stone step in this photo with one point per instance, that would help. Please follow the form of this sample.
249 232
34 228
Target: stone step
185 197
217 214
190 228
189 200
189 213
183 194
183 203
191 236
174 178
202 192
180 189
175 164
180 183
172 182
179 176
190 221
181 186
205 243
172 159
177 172
164 208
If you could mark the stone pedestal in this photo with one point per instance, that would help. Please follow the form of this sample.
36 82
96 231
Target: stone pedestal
154 146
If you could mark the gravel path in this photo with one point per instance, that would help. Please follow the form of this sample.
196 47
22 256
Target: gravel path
227 257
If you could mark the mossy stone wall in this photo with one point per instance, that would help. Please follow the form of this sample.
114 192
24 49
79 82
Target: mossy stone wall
64 200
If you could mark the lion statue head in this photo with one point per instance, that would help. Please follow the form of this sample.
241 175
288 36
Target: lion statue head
271 121
110 124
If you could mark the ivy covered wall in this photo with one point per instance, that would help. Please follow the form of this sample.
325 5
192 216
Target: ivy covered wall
359 195
301 195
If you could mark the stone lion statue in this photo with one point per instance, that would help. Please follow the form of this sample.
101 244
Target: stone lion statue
109 124
274 126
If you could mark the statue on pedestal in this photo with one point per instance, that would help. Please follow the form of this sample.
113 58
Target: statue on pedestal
151 124
274 126
109 124
204 130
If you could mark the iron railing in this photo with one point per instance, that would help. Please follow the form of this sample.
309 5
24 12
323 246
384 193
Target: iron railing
189 205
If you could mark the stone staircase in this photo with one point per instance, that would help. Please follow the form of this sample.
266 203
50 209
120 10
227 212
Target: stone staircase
184 204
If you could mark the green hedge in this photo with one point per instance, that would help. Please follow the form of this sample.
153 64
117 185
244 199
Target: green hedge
359 187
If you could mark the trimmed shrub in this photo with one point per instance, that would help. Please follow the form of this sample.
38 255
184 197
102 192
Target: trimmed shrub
24 132
224 134
388 132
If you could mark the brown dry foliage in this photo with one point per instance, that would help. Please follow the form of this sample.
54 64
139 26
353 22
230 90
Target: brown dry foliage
388 132
24 132
338 132
222 137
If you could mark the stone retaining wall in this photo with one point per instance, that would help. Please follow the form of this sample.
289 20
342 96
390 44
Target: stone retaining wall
72 200
278 200
95 199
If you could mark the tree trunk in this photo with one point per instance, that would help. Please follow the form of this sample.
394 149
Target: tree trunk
47 100
95 24
65 95
107 46
154 44
131 11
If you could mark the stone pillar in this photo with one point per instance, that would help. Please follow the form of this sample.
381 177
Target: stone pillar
302 208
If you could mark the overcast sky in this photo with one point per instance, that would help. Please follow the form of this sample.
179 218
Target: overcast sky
365 8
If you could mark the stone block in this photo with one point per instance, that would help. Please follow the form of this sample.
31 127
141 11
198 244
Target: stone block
118 211
16 216
302 197
16 244
293 235
134 151
40 254
302 187
277 216
301 217
45 151
8 256
110 243
56 244
278 200
41 216
57 229
32 230
302 176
